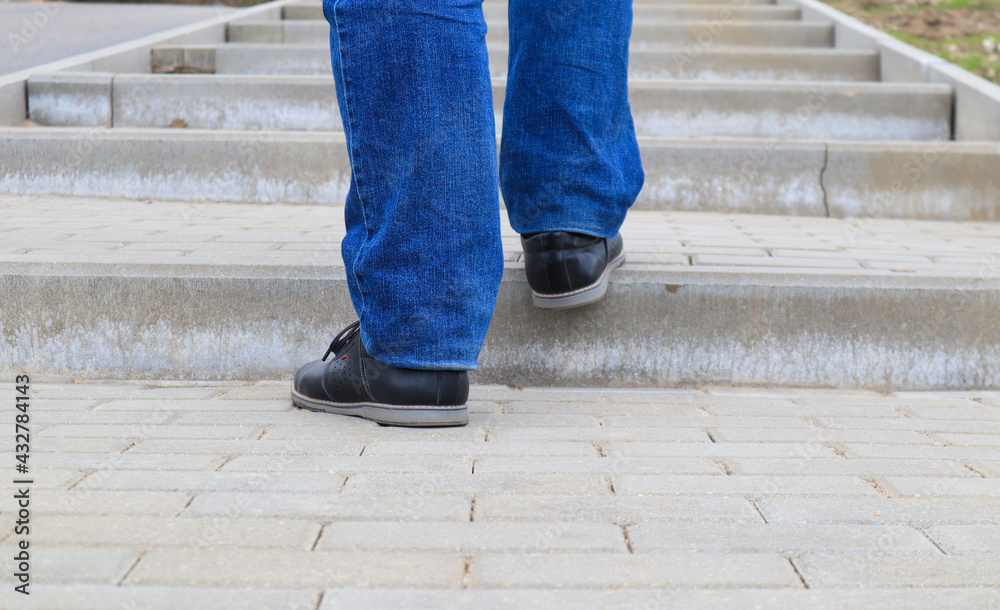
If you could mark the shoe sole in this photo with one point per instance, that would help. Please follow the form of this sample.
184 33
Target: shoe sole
390 415
583 296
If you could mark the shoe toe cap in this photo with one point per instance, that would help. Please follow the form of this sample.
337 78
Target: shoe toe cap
309 379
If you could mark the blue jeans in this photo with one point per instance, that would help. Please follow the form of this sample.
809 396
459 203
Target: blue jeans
422 252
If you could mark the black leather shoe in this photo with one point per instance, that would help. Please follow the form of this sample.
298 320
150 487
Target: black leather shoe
354 383
569 269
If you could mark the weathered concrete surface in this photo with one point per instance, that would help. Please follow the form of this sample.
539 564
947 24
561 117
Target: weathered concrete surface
644 34
749 63
937 180
231 291
756 177
788 111
820 111
275 167
176 165
75 99
940 180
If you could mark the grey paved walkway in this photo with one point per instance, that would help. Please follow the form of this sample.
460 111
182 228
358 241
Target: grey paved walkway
220 495
39 231
36 33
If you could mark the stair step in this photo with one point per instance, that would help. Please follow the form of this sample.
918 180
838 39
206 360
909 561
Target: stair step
720 63
222 290
829 111
940 180
497 11
663 34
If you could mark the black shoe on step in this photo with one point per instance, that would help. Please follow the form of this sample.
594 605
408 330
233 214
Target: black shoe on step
354 383
569 269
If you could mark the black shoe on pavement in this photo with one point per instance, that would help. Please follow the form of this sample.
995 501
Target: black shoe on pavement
354 383
569 269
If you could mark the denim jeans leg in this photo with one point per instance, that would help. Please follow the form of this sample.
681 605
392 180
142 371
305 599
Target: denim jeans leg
422 252
569 159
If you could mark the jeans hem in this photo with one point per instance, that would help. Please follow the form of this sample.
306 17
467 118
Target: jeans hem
587 230
421 365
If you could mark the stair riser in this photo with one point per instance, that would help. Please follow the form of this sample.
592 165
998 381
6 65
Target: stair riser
821 111
942 182
749 65
641 335
736 11
693 35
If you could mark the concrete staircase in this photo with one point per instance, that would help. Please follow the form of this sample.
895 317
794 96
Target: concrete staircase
797 226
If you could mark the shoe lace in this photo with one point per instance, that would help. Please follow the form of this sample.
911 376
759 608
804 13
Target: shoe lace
343 339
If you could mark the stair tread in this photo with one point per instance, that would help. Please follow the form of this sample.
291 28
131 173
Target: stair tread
86 236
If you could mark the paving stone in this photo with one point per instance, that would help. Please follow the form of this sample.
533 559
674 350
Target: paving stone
959 539
721 450
349 465
596 434
100 502
150 431
248 447
182 404
776 538
148 532
967 410
928 452
56 565
513 448
499 482
989 468
97 417
617 509
48 405
863 467
974 440
46 478
900 570
604 570
493 421
943 486
702 421
102 597
42 444
634 484
100 391
269 392
889 426
259 568
212 481
596 464
127 461
812 435
288 417
920 511
364 431
405 505
563 599
472 537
